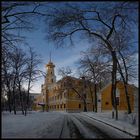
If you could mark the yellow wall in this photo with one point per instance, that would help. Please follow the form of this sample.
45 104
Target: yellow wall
106 97
71 99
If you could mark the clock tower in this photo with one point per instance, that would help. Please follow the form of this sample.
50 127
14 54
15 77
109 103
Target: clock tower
50 77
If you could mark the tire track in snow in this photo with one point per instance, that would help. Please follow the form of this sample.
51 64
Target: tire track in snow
86 129
69 129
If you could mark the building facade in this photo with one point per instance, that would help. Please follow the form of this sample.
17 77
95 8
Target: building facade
67 94
71 94
104 97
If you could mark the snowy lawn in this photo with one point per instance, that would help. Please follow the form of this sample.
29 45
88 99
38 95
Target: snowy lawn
34 125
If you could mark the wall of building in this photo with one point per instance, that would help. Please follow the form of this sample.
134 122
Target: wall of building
58 95
62 99
106 97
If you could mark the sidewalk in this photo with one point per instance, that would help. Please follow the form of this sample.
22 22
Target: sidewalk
120 124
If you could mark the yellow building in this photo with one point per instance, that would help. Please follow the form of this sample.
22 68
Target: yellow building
105 97
66 94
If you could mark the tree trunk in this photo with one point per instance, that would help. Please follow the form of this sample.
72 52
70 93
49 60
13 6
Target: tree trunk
126 89
113 90
85 106
95 90
91 95
27 102
14 105
21 100
9 101
127 98
9 95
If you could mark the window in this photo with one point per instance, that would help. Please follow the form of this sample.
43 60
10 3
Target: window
117 93
52 80
64 105
106 103
64 94
99 100
79 105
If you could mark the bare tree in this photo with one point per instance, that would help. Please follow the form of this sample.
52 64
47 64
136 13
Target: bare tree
69 82
96 22
18 70
17 17
95 65
6 76
64 71
32 72
12 63
123 43
18 62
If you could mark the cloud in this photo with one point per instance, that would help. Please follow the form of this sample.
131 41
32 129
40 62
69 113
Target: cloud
61 57
37 87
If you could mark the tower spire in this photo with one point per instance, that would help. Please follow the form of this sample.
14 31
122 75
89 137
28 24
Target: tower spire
50 56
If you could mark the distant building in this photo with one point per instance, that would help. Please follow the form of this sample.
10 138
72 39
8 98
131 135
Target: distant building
33 97
104 97
59 96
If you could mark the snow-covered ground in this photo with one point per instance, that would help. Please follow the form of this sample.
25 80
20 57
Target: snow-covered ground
34 125
64 125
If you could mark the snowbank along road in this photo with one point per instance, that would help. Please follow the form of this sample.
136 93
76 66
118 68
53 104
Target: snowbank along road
55 125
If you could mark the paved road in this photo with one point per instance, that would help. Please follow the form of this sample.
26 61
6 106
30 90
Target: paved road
53 125
79 127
